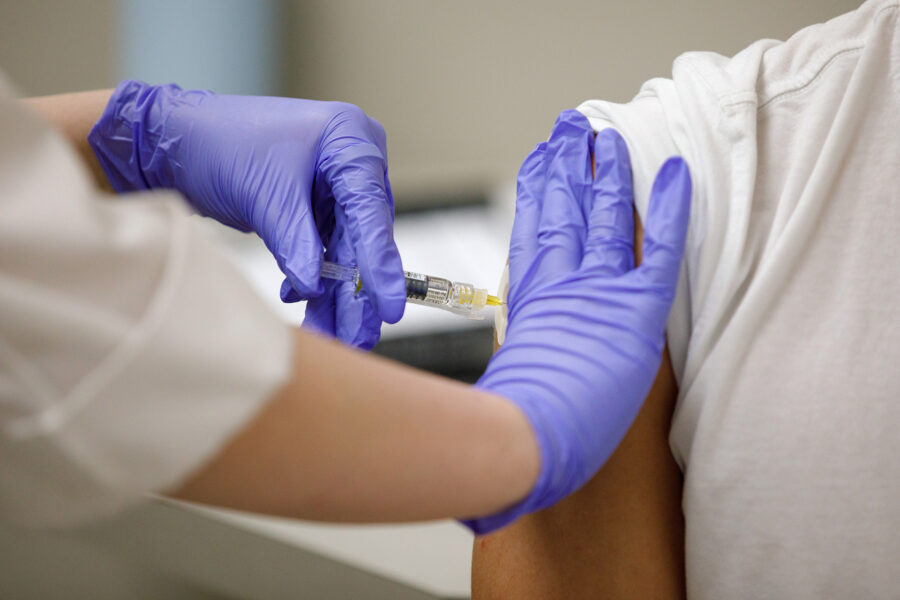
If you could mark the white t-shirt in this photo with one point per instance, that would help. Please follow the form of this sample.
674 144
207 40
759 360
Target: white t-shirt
130 348
786 330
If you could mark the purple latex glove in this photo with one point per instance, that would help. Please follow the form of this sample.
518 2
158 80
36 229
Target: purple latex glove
586 329
301 174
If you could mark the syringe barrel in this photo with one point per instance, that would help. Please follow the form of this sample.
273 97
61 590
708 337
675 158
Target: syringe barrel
425 289
457 297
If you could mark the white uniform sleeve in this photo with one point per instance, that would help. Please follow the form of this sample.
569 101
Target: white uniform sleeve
130 348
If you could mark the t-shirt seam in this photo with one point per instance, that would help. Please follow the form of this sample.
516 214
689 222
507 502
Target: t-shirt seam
833 54
721 107
815 78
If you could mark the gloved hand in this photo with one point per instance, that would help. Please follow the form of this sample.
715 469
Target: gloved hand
586 329
301 174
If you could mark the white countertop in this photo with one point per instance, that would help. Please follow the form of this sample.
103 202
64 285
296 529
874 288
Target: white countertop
433 557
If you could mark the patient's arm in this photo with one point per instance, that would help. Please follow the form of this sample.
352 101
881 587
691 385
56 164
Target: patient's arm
621 536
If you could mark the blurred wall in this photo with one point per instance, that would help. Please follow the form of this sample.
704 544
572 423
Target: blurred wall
465 88
49 46
232 46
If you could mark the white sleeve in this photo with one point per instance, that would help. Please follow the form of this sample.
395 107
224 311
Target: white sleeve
754 130
130 348
703 114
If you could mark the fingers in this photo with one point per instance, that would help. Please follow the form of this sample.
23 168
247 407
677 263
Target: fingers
356 322
370 227
355 167
609 248
379 262
666 225
288 293
562 227
529 196
343 314
320 314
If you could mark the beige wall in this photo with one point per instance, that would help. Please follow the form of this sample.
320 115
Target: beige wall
49 46
464 88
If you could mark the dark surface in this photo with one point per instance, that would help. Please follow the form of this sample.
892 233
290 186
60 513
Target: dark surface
461 355
429 202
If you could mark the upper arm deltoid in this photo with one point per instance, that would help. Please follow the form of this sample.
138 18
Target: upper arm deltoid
620 536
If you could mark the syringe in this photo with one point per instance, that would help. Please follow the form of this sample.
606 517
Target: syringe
459 298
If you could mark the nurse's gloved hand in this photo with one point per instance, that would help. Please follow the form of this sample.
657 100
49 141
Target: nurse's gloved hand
586 328
301 174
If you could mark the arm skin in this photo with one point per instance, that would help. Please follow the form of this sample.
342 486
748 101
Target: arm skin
386 443
621 536
74 115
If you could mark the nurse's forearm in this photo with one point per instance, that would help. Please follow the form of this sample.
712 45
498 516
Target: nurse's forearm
74 115
353 437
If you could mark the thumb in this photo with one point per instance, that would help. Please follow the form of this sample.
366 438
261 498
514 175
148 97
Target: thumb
666 225
299 255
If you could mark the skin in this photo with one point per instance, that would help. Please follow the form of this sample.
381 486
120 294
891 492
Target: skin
387 444
75 114
412 446
620 536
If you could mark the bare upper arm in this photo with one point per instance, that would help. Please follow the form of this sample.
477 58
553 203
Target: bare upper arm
621 536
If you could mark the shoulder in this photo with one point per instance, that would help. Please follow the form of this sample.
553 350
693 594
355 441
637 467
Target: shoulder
769 68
